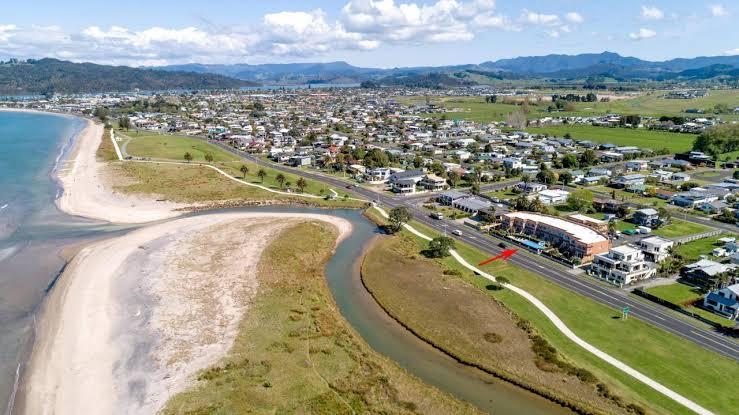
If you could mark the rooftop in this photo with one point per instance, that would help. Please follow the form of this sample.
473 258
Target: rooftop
580 232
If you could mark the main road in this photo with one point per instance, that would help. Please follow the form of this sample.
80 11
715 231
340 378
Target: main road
563 276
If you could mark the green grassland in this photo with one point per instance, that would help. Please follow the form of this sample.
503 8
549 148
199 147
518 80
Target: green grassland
691 251
294 352
677 228
654 352
649 104
675 142
687 296
170 147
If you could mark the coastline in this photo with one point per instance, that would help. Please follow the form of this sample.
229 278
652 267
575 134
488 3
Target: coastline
86 193
128 326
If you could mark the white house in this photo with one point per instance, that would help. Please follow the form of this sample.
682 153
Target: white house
553 196
622 265
655 248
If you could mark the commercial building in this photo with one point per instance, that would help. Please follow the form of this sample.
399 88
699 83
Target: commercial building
622 265
471 205
578 241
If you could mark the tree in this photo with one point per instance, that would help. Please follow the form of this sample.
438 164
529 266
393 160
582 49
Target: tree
302 184
516 119
570 161
376 158
546 177
102 113
243 169
261 174
439 247
124 122
280 179
454 177
736 174
398 216
588 158
664 215
526 179
566 178
287 185
208 157
580 200
188 157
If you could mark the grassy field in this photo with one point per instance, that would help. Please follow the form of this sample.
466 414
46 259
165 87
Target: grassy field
677 228
691 251
687 297
170 147
649 104
295 353
660 355
465 322
198 184
641 138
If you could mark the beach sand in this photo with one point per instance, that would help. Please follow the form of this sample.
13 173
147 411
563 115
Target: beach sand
88 193
133 318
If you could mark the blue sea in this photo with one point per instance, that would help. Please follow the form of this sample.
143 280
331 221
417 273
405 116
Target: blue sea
32 230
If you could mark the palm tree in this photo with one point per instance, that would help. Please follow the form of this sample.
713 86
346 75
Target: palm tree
287 186
188 157
302 184
262 174
280 178
244 170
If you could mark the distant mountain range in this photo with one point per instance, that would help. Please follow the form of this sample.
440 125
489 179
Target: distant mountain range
605 65
50 75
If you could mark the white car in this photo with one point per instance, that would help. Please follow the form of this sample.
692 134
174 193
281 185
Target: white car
457 232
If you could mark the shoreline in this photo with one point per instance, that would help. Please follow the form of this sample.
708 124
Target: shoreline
71 371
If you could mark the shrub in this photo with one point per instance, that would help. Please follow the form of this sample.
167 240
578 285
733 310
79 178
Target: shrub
492 337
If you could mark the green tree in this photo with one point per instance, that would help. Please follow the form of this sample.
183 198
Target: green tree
302 184
376 158
124 123
188 157
566 178
208 157
261 174
243 169
546 176
280 179
439 247
588 158
454 177
580 200
569 161
398 216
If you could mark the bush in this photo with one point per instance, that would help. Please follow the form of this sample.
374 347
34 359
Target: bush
492 337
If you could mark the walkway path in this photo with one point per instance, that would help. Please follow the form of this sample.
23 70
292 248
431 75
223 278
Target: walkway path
560 325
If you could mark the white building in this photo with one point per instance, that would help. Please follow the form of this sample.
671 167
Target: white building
622 265
656 249
553 196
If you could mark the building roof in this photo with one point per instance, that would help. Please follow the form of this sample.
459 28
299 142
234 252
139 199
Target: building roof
647 211
585 218
473 203
625 249
579 232
454 194
656 240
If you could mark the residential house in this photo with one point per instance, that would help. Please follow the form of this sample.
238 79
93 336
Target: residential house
628 180
655 248
471 205
300 161
378 175
447 198
724 301
621 266
433 182
607 205
553 196
691 199
646 217
531 187
703 272
637 165
712 207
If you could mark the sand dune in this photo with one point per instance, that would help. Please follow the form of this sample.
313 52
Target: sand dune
134 317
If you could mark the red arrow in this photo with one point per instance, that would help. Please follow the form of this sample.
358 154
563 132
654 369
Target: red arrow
503 255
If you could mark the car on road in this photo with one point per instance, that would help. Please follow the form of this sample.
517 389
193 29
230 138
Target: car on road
457 232
502 245
437 215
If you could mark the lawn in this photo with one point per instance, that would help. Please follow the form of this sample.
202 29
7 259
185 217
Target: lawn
295 353
660 355
692 251
675 142
677 228
686 296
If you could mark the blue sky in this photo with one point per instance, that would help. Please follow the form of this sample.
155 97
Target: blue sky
383 33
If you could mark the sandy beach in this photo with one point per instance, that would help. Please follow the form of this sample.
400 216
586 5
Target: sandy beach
87 193
134 317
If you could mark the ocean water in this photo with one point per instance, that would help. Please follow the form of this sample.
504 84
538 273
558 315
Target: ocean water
32 229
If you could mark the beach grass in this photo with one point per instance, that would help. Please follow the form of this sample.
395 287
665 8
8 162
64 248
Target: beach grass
296 354
462 320
106 150
654 352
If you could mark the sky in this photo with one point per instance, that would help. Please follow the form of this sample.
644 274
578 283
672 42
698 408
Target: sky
370 33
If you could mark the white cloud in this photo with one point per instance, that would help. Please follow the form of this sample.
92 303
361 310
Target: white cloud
574 17
527 16
643 34
732 52
652 13
718 10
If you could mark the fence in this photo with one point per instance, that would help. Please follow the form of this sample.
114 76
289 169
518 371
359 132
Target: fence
673 306
690 238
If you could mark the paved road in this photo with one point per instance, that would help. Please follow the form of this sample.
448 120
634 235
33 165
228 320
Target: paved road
591 288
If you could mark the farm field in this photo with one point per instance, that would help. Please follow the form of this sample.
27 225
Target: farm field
675 142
